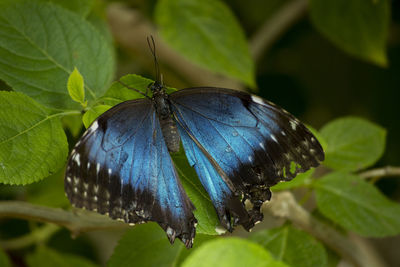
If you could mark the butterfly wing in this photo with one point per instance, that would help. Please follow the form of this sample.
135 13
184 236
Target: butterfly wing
240 145
121 167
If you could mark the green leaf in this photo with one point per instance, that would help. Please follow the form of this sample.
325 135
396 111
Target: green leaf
33 144
302 179
207 33
198 241
353 143
49 192
4 260
231 252
357 205
124 89
46 257
205 213
75 86
93 113
81 7
359 27
145 245
292 246
38 55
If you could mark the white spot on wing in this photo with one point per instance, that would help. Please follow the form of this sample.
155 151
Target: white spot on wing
312 139
97 168
109 171
273 138
283 133
250 158
220 230
69 179
77 159
94 126
262 145
257 99
88 165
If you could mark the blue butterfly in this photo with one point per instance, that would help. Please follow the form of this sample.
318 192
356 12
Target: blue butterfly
239 145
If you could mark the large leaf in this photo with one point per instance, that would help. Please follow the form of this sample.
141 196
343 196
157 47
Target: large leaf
231 252
148 245
205 212
359 27
302 179
357 205
292 246
353 143
207 33
138 246
46 257
40 45
33 144
49 192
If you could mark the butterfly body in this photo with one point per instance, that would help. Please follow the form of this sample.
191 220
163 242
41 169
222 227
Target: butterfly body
239 145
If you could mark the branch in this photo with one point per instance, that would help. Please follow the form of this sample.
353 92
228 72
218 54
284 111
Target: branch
76 222
284 205
385 171
276 26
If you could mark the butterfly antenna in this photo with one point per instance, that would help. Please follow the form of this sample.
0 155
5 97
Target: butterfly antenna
152 46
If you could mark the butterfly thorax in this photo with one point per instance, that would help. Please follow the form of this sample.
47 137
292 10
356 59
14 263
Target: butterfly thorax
163 110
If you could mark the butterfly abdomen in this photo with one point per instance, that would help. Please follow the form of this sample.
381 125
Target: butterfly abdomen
168 125
170 133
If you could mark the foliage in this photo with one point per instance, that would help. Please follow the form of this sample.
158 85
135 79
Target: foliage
59 64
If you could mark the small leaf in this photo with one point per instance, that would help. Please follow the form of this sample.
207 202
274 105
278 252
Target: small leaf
93 113
33 144
37 54
357 205
46 257
75 86
353 143
359 27
292 246
124 89
302 179
207 33
205 213
4 260
145 245
231 252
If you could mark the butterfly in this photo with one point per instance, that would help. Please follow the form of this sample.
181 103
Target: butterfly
239 145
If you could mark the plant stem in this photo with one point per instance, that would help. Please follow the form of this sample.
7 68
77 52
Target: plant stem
76 221
37 236
276 26
380 172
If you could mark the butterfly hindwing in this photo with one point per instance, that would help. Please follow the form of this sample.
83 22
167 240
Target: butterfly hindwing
255 143
121 167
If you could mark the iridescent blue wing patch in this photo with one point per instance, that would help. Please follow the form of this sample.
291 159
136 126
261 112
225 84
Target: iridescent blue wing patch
122 167
240 146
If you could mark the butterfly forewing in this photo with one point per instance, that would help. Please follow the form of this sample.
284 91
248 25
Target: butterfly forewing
121 167
254 142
